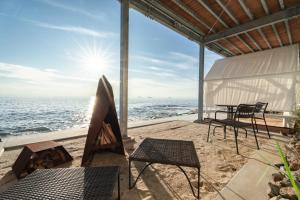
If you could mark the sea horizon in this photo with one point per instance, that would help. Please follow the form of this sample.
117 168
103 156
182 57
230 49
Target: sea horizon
31 115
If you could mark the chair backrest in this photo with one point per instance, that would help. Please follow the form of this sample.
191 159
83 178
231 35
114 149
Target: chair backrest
260 107
244 111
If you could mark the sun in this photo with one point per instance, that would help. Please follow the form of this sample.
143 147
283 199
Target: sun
93 58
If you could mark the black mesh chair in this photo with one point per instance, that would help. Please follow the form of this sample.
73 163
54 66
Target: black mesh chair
259 113
242 111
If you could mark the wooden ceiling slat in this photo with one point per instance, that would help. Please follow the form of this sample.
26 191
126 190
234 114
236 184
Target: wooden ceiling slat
227 18
237 10
237 43
282 33
249 41
180 12
230 47
204 14
257 37
255 8
271 36
295 29
273 6
290 3
223 15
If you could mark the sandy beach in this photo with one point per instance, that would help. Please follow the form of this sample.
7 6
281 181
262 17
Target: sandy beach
219 161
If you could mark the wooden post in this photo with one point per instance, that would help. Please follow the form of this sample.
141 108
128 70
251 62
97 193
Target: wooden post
124 67
200 86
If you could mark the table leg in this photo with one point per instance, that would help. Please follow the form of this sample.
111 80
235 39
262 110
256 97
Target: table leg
119 196
198 195
129 172
191 186
135 181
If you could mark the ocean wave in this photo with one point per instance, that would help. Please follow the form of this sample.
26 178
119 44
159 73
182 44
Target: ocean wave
38 129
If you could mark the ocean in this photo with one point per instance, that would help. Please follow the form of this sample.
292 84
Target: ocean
20 116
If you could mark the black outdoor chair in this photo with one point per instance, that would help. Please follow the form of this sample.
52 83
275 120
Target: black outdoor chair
242 111
259 113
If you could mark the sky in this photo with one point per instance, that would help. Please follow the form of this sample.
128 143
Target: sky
61 48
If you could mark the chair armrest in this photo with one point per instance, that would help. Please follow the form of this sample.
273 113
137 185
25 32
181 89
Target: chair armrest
222 111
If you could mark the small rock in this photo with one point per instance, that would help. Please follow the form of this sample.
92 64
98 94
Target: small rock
297 175
274 198
273 190
277 176
297 135
288 192
295 164
285 182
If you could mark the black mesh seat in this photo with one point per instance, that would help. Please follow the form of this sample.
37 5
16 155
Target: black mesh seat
243 111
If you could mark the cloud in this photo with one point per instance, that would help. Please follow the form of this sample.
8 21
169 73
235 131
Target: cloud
20 80
173 61
74 29
35 75
76 10
184 88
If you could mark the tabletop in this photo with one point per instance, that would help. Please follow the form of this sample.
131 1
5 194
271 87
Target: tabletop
65 183
163 151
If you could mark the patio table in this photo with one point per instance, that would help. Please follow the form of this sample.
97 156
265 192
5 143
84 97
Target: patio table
171 152
66 183
230 109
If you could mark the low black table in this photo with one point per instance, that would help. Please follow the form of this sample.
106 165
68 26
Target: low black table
66 183
171 152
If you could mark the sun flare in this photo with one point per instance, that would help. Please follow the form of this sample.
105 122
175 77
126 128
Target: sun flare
93 58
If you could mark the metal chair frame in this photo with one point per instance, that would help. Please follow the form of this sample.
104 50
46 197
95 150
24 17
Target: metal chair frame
242 111
261 108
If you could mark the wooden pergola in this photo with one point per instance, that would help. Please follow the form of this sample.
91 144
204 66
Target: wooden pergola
227 27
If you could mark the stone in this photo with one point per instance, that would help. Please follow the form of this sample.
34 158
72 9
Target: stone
275 198
277 176
297 175
295 164
285 182
288 192
273 189
297 133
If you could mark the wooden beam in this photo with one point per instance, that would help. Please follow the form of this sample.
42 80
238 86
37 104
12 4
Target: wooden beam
255 24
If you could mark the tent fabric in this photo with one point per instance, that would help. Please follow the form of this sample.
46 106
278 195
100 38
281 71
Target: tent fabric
270 76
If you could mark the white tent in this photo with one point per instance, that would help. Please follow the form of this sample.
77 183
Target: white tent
270 76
